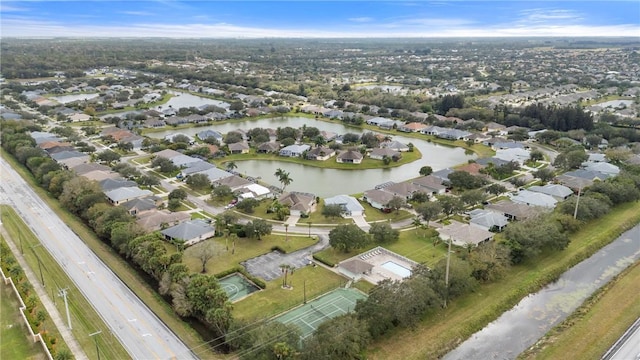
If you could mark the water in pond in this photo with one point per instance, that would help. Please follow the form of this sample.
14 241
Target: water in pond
519 328
65 99
329 182
186 100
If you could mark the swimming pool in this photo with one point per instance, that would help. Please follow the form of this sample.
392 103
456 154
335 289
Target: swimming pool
397 269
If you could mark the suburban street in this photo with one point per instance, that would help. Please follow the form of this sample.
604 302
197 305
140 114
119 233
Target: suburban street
141 333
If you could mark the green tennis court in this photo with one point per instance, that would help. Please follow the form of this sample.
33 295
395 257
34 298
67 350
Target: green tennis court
237 286
333 304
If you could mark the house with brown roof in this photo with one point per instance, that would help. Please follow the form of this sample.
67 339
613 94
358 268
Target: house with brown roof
378 199
299 203
154 220
412 127
429 184
464 235
320 153
270 147
239 148
349 157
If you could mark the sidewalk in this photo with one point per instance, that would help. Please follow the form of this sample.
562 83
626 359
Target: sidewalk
54 314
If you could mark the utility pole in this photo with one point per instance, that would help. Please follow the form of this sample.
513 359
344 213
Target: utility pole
304 284
575 212
95 340
446 275
63 293
39 264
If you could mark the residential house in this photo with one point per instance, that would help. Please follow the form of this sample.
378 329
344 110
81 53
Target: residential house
140 206
189 232
493 127
412 127
350 206
534 199
488 220
502 145
464 234
515 154
559 192
380 153
512 210
99 175
234 182
404 189
320 153
608 169
299 203
328 135
69 159
79 117
154 123
170 137
203 135
378 199
167 154
124 194
182 161
239 148
430 185
88 167
270 147
214 174
294 150
253 191
395 145
350 157
196 167
112 184
443 175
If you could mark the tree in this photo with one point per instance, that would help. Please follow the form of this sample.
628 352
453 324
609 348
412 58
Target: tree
165 165
429 210
148 180
382 233
528 238
198 181
426 170
257 228
464 180
450 204
232 137
332 210
108 156
341 338
545 175
460 279
264 340
247 205
204 252
571 159
490 261
473 197
179 194
496 189
231 165
536 155
173 204
207 301
63 354
396 203
222 191
126 171
347 237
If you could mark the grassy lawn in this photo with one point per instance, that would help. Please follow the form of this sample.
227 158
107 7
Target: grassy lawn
245 249
316 217
367 163
84 318
120 267
416 245
142 159
591 330
274 300
373 214
16 344
443 331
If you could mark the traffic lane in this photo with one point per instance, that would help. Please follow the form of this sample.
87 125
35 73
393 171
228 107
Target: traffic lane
630 349
111 298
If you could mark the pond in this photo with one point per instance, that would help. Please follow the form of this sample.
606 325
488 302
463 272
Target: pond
329 182
616 103
65 99
186 100
519 328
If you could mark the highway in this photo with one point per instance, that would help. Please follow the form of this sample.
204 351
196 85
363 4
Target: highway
141 333
628 346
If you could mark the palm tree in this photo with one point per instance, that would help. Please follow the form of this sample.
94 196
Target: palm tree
285 180
231 165
319 141
279 172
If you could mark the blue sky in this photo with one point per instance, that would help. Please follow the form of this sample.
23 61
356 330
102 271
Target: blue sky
257 19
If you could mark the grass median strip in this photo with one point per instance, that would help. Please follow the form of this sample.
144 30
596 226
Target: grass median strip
84 319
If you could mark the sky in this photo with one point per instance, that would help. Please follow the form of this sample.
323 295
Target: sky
318 19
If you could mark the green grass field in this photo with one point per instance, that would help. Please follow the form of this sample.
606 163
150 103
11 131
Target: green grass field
591 330
441 332
16 341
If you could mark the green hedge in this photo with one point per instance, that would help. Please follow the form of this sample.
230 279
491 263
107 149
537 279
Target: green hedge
321 259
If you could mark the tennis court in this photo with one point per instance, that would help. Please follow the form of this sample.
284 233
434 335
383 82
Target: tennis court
237 286
333 304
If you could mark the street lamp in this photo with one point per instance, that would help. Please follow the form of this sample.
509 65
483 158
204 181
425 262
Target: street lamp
95 340
286 232
446 276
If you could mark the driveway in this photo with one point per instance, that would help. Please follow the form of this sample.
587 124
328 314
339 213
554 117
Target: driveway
361 222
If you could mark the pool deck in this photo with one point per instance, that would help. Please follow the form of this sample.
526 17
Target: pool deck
376 258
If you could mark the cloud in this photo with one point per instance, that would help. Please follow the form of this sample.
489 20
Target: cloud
8 8
136 13
542 16
363 19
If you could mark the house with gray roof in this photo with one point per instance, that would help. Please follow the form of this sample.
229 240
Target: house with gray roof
380 153
350 206
189 232
507 145
239 148
294 150
268 147
559 192
124 194
215 174
443 175
112 184
429 184
183 160
155 219
140 206
395 145
404 189
196 167
205 134
378 199
167 154
515 154
604 168
464 235
512 210
488 220
88 167
534 199
234 182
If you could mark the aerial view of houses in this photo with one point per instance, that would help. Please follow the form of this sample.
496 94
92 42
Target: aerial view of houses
293 187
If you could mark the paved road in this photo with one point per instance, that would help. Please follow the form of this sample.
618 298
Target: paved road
141 333
628 347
